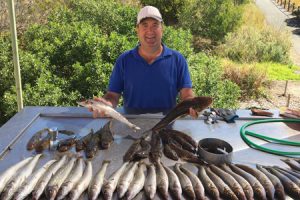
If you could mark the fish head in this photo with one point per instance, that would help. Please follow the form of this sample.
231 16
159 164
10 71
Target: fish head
85 103
201 103
51 192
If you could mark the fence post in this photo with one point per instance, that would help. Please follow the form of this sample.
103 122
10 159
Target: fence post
284 4
288 9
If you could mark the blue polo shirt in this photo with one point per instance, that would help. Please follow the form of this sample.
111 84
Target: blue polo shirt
148 88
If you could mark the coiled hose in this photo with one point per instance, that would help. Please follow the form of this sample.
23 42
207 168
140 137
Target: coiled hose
245 132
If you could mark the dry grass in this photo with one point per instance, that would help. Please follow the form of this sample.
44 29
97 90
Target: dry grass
297 2
253 17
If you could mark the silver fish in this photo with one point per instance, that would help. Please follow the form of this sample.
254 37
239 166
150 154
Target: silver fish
185 182
31 181
242 181
110 185
174 183
209 186
230 181
197 184
108 110
150 183
8 173
84 182
137 183
162 180
72 179
58 178
41 185
97 182
126 179
17 180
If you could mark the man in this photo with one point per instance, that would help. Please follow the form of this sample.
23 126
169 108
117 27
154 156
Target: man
149 76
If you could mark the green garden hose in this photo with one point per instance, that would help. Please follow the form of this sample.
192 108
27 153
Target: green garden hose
245 132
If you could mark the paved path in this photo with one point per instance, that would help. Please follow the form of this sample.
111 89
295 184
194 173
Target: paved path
277 17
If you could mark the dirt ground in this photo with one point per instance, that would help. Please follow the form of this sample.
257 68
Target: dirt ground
276 98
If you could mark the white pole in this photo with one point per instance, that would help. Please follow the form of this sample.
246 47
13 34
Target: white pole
13 30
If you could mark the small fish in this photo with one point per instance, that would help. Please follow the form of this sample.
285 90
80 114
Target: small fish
290 176
18 178
110 185
43 144
174 184
92 146
150 182
162 180
184 139
258 189
181 109
97 182
262 178
106 136
58 178
289 186
279 189
65 145
230 181
295 173
170 153
184 154
41 185
108 110
36 138
8 173
137 183
31 181
84 182
72 179
185 182
156 148
134 147
223 188
242 181
126 179
81 143
197 184
292 163
144 151
209 185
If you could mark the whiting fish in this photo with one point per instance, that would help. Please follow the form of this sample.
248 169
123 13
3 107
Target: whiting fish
258 189
292 163
262 178
8 173
31 181
162 180
230 181
126 179
209 185
150 182
73 178
289 186
290 176
42 183
185 182
58 178
97 182
242 181
137 183
110 185
174 184
84 182
279 189
181 109
223 188
108 110
18 178
295 173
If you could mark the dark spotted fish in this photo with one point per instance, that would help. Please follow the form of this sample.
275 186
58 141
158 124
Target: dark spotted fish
92 146
245 185
143 152
262 178
230 181
106 136
279 189
81 143
156 148
184 139
209 185
170 153
66 144
289 186
223 188
181 109
43 144
130 153
184 154
36 138
258 189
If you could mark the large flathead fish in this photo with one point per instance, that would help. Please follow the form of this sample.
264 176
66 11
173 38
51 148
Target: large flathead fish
108 110
197 103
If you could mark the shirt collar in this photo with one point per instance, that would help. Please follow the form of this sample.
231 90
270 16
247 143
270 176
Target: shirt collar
166 51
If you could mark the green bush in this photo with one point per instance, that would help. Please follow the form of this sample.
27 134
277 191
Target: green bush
206 73
211 19
249 44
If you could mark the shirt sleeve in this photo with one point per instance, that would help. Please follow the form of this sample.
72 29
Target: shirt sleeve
184 79
116 81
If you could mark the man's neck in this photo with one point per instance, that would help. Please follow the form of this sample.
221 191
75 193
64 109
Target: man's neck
150 54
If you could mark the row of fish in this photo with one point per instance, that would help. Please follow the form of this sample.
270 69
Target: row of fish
90 143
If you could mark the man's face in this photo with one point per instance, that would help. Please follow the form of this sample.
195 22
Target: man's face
150 32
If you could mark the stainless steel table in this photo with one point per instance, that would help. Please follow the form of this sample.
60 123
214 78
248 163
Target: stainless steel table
15 134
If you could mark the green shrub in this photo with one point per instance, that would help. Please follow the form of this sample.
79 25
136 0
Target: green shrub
206 73
256 45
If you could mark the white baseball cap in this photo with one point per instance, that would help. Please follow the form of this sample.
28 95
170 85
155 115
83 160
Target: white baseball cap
149 11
